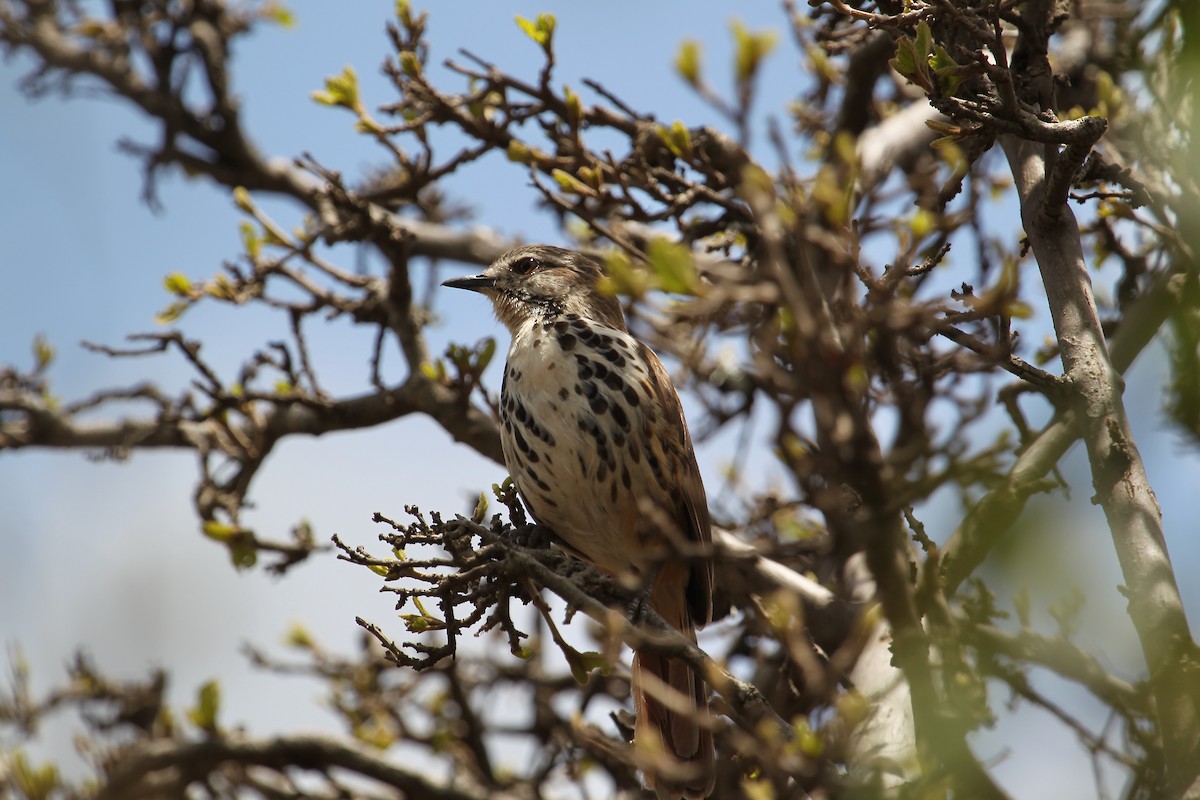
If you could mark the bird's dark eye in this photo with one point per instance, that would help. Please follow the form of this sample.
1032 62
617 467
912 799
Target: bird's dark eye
526 265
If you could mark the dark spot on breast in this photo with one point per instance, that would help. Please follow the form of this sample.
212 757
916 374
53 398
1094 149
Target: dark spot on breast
545 498
590 390
655 466
631 396
537 343
520 412
619 416
587 424
533 476
614 357
563 393
602 471
598 403
566 341
600 370
541 433
625 479
561 327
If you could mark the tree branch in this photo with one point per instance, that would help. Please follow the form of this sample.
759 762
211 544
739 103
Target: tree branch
157 765
997 510
1118 474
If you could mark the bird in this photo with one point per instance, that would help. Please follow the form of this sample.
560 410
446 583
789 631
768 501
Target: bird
594 436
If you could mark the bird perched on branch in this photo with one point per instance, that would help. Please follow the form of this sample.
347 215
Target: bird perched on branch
594 437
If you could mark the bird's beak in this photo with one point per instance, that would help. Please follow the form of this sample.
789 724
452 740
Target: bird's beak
476 283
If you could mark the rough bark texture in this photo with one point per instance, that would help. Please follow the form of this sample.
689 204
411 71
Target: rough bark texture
1118 474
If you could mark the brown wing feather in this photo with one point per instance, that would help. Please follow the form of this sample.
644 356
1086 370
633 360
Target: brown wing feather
691 511
683 740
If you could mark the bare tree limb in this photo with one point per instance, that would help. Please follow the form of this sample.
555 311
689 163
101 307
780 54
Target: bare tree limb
171 766
1118 474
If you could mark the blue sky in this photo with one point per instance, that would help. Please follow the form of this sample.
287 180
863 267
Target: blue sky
109 556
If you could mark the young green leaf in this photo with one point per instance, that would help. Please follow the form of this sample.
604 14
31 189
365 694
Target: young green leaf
948 72
582 664
250 239
340 90
541 31
170 313
43 353
31 782
219 531
177 284
569 183
410 65
298 636
243 552
924 39
750 49
677 139
519 152
673 266
241 198
486 352
574 107
621 277
530 29
208 703
687 61
277 12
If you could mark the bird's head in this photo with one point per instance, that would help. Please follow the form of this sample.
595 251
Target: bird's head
543 281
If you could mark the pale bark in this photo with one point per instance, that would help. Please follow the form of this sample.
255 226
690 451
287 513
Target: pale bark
1118 474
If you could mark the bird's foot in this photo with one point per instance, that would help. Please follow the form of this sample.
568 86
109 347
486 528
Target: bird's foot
533 537
635 610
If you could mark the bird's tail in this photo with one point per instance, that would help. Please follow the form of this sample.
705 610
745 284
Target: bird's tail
671 700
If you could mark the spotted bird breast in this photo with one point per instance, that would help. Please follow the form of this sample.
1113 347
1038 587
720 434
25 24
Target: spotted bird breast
588 438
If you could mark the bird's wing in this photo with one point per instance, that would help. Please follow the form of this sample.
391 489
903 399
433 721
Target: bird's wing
689 501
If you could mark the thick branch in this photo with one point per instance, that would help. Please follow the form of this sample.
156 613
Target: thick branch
995 513
41 426
750 709
138 775
1062 657
1118 474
